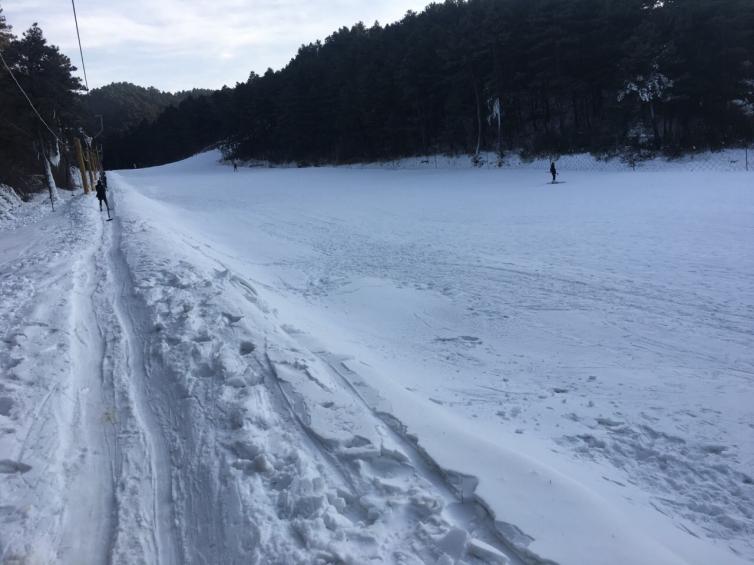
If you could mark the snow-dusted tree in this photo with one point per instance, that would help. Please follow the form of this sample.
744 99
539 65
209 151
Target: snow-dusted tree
650 89
495 116
49 161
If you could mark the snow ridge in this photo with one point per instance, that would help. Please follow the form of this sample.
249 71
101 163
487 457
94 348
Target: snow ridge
311 476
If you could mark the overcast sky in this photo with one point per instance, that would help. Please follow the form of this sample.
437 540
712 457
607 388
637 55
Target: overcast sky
181 44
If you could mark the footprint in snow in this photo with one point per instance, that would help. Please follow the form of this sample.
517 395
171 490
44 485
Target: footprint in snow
10 467
232 319
462 338
13 362
6 405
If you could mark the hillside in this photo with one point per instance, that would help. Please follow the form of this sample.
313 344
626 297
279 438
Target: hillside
124 105
542 76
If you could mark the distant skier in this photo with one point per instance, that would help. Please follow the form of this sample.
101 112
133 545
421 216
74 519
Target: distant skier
553 171
102 197
235 167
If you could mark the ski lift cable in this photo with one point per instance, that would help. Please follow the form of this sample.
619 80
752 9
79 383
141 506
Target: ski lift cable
21 88
83 66
81 51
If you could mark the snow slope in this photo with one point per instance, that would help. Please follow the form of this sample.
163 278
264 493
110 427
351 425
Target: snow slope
153 410
412 366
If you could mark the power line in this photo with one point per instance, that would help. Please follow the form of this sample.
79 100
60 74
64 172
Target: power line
21 88
83 66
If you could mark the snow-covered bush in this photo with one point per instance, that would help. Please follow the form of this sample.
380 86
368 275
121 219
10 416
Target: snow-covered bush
9 203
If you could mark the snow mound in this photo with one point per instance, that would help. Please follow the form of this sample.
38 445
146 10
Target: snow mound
9 204
15 213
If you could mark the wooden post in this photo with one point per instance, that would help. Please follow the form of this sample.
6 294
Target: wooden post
82 167
101 160
92 181
95 162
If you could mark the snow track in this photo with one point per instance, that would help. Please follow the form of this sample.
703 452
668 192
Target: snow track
146 514
93 436
50 415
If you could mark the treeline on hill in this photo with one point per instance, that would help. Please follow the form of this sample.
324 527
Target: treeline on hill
124 105
31 156
545 76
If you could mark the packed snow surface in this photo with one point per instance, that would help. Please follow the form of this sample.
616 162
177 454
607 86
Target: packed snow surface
371 365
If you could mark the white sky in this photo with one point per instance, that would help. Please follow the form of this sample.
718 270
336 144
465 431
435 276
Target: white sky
181 44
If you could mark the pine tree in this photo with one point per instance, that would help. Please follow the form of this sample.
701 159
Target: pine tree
46 76
5 31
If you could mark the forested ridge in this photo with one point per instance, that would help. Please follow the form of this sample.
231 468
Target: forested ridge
124 105
542 76
633 77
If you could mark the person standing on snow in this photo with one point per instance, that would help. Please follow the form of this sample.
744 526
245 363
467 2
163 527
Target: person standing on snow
553 171
102 196
235 167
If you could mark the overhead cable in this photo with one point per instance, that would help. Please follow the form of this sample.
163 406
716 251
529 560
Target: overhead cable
21 88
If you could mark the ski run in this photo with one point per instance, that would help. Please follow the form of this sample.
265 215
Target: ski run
294 366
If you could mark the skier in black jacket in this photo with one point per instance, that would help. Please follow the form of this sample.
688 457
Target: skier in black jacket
102 196
553 171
